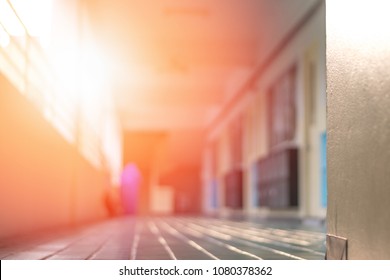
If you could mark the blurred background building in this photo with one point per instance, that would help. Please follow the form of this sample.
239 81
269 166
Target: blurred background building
221 106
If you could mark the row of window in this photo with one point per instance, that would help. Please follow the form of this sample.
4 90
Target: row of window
72 97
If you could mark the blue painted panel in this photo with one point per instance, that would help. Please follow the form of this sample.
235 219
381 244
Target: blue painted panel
324 181
214 193
254 180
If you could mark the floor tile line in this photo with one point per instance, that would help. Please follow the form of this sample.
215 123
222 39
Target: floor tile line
99 248
229 246
136 240
246 242
153 228
280 244
63 249
244 235
256 226
189 241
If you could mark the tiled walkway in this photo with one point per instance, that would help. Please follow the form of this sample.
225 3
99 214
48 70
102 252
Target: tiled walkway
174 238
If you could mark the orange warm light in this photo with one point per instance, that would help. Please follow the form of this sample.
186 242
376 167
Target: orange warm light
51 92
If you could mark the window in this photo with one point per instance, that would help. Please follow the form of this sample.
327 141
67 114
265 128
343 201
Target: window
282 109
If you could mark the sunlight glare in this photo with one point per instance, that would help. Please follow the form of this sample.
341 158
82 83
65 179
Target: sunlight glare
363 27
36 15
94 82
4 38
9 20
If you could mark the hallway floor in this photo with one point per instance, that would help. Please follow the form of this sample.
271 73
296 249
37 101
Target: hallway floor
156 238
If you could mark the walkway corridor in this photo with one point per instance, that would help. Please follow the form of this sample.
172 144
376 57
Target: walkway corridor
174 238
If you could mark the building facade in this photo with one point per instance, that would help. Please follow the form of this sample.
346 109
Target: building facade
266 150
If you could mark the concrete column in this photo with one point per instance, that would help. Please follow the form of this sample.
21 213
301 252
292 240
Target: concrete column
358 121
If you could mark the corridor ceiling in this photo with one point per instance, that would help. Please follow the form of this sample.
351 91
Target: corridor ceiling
176 62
